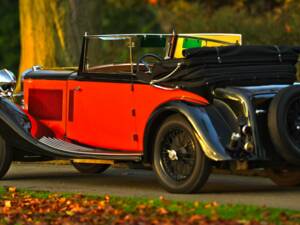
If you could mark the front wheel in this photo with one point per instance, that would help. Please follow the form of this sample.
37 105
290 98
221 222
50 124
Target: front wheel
178 159
5 157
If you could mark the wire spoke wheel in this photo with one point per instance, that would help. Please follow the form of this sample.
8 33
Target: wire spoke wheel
180 142
284 123
293 120
178 160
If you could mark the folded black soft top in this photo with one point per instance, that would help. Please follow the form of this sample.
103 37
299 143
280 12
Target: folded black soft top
229 65
241 54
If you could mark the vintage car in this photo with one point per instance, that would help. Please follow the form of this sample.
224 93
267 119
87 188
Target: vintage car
181 104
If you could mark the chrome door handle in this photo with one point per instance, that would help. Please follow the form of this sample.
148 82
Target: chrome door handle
77 88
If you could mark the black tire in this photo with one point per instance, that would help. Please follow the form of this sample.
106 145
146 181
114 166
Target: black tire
192 168
283 119
285 177
90 168
5 157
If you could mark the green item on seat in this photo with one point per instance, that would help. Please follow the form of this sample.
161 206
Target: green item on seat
192 43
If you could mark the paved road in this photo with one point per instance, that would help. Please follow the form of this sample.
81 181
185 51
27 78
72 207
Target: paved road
126 182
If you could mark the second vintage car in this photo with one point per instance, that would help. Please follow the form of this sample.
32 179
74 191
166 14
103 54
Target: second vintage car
179 103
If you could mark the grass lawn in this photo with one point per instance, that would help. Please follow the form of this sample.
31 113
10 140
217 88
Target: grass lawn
34 207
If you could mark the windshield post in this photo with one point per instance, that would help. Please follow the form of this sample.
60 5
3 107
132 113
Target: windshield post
83 53
172 45
131 46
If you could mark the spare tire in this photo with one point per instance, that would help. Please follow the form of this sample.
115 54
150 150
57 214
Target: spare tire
284 123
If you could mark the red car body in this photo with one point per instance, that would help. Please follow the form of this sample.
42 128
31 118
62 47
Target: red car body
114 114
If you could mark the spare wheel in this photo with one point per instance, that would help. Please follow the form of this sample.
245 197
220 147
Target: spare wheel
284 123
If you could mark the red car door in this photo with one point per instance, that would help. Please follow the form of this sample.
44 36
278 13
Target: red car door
100 112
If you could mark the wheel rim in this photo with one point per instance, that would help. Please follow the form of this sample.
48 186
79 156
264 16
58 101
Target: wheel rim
178 154
293 121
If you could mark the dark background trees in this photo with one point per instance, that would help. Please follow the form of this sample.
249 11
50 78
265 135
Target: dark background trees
9 34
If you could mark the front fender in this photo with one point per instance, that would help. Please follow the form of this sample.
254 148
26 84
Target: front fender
15 127
200 121
11 112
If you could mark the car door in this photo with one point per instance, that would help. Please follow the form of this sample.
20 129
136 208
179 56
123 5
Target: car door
100 113
100 104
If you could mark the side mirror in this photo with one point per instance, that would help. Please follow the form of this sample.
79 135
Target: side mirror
7 77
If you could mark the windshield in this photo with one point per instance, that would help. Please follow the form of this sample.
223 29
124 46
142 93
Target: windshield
108 51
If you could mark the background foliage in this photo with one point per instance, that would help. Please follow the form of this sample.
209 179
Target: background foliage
9 34
260 22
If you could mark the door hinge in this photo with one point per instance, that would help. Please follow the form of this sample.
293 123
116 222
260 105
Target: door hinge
135 137
133 112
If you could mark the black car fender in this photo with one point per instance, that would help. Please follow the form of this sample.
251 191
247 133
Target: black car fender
11 112
15 127
198 117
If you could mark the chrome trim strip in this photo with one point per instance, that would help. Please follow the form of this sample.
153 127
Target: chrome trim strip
167 76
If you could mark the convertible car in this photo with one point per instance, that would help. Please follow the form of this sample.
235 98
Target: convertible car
181 104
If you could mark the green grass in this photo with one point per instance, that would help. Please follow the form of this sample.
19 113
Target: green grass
182 208
2 190
224 211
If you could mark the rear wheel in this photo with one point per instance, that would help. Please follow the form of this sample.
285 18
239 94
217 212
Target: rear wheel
90 168
284 123
285 177
5 157
178 160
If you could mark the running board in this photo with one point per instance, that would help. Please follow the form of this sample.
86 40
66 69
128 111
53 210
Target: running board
67 147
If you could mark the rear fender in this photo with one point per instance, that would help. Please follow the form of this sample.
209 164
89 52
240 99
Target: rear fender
198 117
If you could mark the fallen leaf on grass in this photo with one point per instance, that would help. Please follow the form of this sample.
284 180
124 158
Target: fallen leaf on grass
196 204
7 204
196 218
162 211
12 189
70 213
211 204
106 198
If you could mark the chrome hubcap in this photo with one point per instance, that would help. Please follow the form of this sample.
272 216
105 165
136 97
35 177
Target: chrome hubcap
172 155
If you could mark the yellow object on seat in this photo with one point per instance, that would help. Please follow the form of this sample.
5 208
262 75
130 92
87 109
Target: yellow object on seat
189 42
